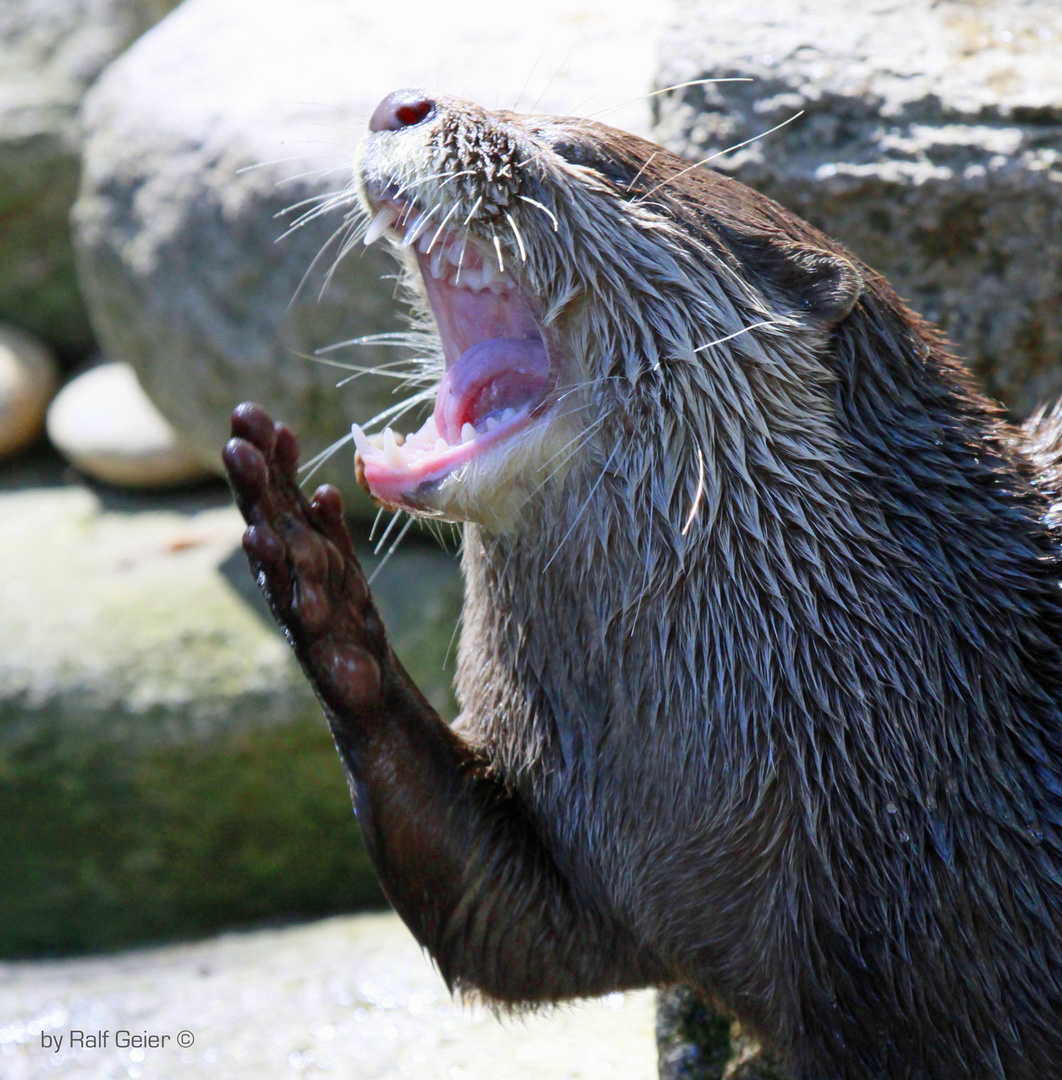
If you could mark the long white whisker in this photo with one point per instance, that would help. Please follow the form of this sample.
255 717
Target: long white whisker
391 550
375 522
471 214
665 90
407 339
313 264
697 495
387 531
438 232
308 468
718 153
738 333
545 210
519 238
394 411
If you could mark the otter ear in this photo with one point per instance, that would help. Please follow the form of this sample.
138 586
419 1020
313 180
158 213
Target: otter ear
825 285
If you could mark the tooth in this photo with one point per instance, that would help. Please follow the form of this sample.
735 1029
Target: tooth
379 224
392 453
441 445
468 433
492 422
436 264
508 414
429 432
361 443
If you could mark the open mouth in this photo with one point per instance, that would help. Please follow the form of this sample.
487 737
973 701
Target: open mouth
498 374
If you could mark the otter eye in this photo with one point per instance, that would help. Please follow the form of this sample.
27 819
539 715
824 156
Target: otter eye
581 154
572 153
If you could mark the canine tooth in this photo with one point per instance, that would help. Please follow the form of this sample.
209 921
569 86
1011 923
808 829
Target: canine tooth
468 433
379 224
436 263
362 443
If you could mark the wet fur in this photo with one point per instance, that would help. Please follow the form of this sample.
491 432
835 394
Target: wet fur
765 684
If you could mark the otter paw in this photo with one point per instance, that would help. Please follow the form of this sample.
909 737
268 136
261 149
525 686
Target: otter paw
301 553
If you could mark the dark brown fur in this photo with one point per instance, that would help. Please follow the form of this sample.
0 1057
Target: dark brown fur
805 756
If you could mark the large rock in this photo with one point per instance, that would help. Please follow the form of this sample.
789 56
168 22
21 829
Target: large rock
28 380
231 111
50 53
164 766
930 143
349 998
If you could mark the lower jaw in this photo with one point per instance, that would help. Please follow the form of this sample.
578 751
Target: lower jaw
493 487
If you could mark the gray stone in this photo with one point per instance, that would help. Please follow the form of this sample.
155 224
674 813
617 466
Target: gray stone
350 998
50 53
930 143
230 111
164 767
103 423
28 378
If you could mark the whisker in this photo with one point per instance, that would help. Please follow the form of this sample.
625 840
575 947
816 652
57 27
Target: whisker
391 550
545 209
308 468
375 522
313 264
406 339
665 90
471 214
397 410
395 517
719 153
438 232
645 165
349 244
519 238
597 484
697 495
738 333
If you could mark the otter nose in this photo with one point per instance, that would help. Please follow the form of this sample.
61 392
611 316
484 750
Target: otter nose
402 109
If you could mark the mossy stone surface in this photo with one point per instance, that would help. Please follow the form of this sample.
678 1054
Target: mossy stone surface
164 766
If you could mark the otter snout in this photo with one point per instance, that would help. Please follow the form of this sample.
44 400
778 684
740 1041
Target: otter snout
401 109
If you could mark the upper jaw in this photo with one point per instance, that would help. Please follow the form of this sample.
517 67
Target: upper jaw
480 454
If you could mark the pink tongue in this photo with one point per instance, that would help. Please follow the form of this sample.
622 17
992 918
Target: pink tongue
492 375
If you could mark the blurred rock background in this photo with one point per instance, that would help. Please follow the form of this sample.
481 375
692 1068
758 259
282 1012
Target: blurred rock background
164 770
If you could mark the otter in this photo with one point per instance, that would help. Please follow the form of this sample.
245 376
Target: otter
760 666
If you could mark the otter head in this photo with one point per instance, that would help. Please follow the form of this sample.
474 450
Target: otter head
589 290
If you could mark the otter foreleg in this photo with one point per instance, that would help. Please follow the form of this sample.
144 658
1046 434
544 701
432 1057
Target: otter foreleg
456 853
